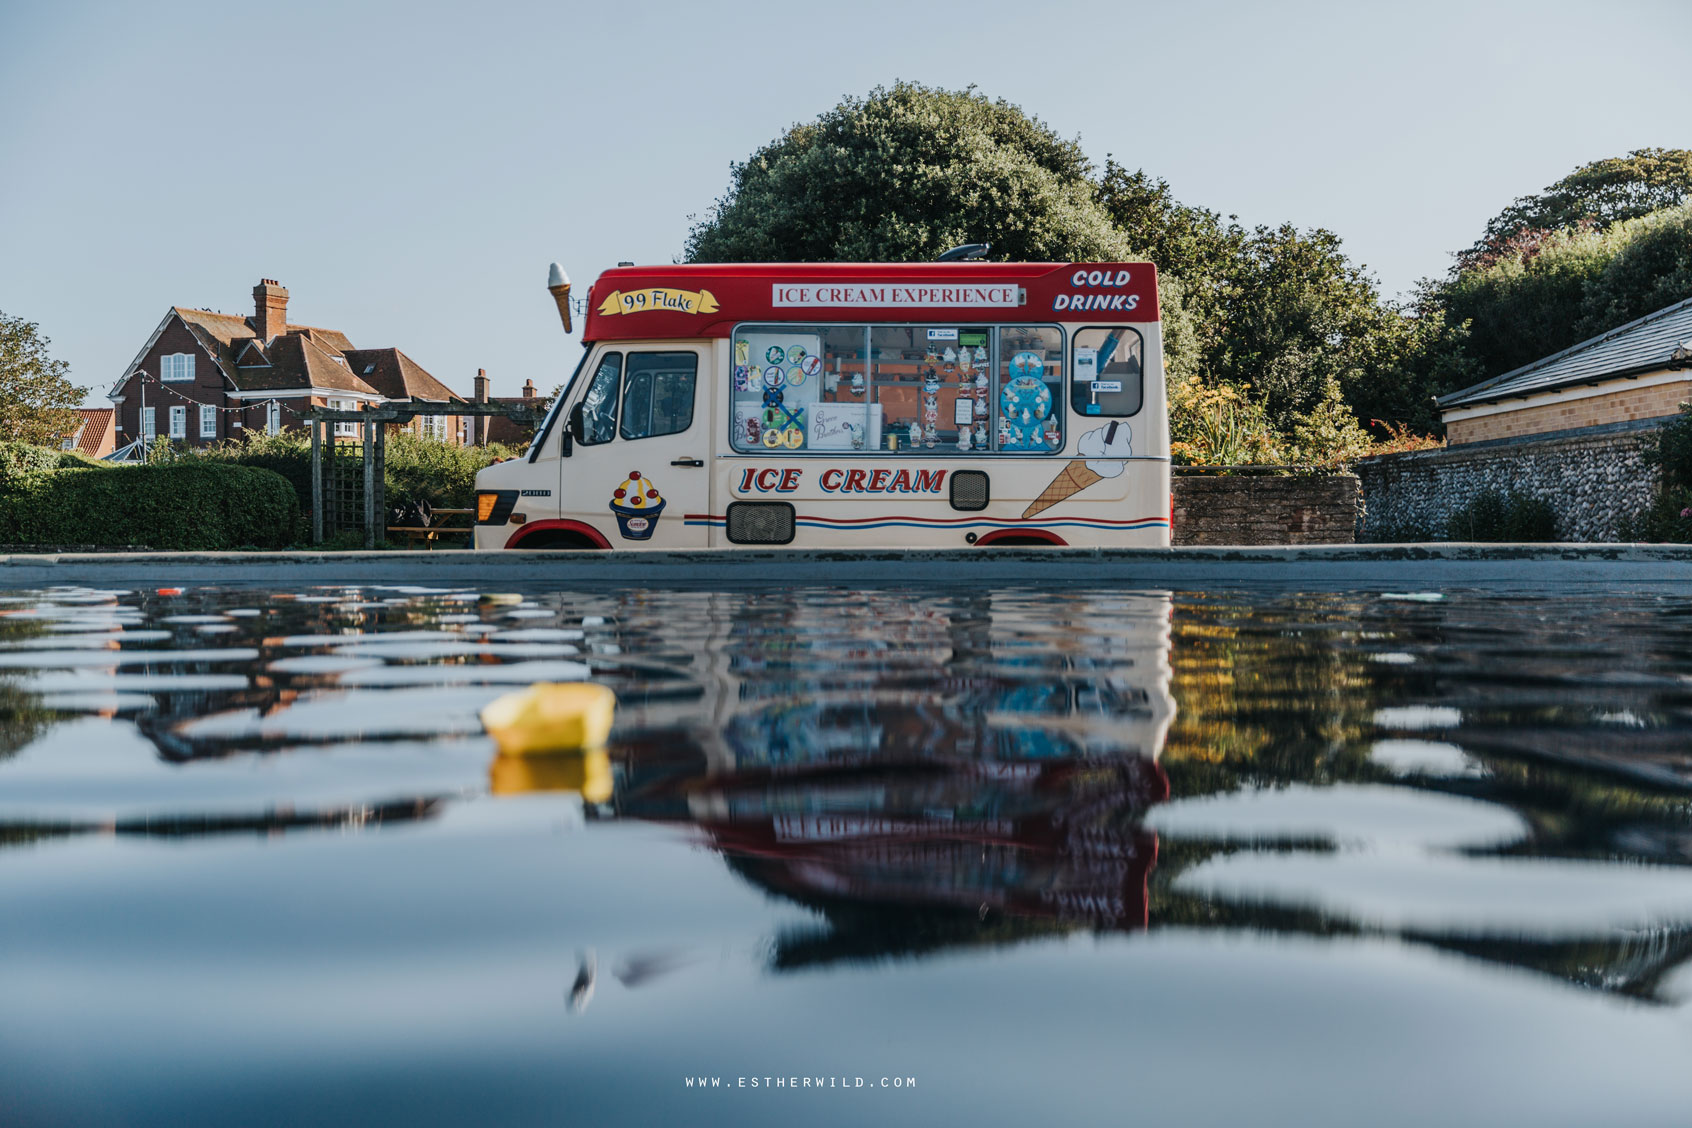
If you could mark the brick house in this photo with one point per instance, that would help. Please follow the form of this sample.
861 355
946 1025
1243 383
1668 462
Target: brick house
1628 377
497 428
203 377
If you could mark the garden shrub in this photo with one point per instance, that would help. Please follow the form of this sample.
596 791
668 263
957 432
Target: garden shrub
417 469
1669 453
22 458
439 473
184 505
1494 516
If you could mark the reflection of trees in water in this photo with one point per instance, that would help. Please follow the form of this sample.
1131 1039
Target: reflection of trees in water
1267 692
1284 692
22 719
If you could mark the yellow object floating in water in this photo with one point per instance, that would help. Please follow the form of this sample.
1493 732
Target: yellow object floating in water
550 717
586 773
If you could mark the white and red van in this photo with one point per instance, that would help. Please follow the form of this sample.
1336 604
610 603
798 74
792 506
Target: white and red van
846 405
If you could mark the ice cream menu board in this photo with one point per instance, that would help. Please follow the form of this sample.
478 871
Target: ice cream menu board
776 377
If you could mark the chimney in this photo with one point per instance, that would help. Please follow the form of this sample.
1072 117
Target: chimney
481 397
528 389
270 309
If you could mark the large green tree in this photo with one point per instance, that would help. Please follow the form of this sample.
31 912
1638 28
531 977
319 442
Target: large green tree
1580 282
1283 311
37 400
902 176
1594 196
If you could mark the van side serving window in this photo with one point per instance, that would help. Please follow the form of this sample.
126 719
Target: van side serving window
930 389
1107 372
658 394
599 404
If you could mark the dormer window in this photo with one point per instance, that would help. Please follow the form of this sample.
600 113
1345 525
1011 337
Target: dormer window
176 367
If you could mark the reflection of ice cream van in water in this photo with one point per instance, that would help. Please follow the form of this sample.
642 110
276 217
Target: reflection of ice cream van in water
839 405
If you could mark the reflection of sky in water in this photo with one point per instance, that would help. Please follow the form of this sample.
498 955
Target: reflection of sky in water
1077 856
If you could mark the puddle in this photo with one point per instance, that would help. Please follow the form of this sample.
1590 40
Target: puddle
1181 857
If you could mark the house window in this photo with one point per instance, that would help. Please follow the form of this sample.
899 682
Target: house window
208 421
344 430
149 426
273 418
179 422
434 426
176 366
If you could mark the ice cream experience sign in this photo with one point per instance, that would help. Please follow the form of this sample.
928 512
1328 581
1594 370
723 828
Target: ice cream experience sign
993 296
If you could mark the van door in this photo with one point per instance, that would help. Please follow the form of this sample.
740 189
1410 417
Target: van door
640 465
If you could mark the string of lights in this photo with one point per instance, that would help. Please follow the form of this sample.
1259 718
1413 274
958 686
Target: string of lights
149 378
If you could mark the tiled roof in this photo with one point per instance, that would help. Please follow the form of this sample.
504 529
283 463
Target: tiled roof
220 334
397 376
94 434
1640 346
296 362
251 355
329 340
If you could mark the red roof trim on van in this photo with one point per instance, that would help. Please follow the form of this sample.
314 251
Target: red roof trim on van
709 299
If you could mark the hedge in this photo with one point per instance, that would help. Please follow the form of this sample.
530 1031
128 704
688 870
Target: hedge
417 469
21 458
195 506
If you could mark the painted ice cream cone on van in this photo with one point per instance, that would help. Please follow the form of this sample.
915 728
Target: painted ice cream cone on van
1104 449
637 504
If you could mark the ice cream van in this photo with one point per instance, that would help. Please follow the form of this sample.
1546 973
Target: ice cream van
849 405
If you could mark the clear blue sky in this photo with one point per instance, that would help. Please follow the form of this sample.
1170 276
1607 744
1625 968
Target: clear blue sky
408 170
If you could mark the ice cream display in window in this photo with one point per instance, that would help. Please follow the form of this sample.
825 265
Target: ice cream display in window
1025 400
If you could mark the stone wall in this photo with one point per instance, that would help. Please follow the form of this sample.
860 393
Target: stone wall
1279 509
1595 480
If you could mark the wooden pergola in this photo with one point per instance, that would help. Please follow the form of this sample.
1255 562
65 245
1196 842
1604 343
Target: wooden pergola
328 484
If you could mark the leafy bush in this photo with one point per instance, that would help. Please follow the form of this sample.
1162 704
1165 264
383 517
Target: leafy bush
1669 453
417 469
1219 425
22 458
185 505
1494 516
441 474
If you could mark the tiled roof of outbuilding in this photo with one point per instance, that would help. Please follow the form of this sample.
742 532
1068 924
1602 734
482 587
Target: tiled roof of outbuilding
1646 345
94 432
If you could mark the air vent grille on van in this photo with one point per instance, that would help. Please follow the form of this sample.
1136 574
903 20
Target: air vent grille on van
969 490
760 522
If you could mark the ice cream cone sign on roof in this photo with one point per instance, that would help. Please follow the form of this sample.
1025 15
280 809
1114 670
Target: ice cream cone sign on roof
1102 454
558 283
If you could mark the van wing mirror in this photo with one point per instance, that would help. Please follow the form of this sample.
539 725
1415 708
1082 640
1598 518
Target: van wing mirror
578 421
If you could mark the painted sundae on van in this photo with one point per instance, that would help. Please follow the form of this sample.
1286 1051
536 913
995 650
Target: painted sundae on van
847 405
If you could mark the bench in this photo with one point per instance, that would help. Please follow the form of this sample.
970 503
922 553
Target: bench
429 535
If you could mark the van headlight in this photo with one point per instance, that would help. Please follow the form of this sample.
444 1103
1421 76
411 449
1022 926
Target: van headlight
493 507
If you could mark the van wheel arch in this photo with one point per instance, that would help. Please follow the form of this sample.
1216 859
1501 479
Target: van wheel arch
556 536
